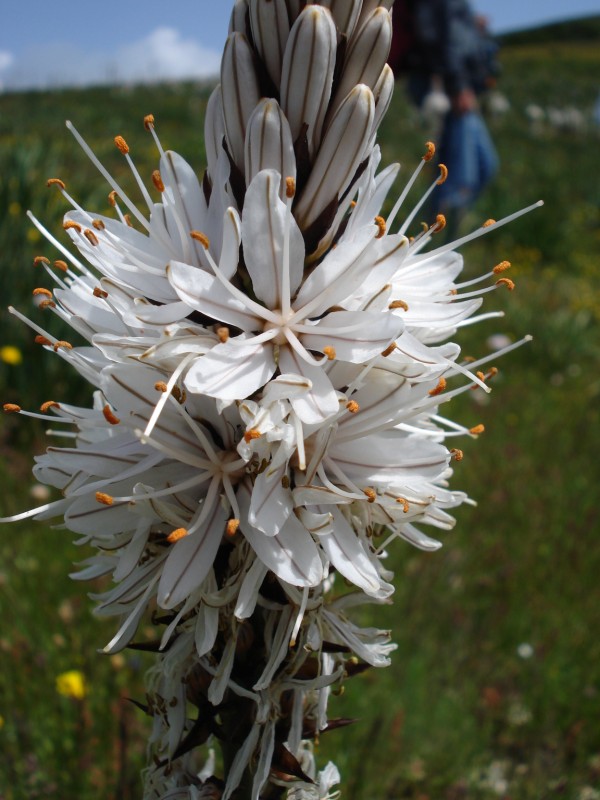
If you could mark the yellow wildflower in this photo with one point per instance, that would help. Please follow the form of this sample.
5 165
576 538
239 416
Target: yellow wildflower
72 684
11 355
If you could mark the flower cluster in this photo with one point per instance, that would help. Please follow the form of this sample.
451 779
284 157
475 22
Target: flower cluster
269 357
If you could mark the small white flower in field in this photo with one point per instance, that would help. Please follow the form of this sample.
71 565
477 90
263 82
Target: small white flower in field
525 651
269 357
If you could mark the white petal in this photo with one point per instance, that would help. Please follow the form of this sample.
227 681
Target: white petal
292 554
264 221
271 504
357 344
321 401
190 559
231 372
347 554
206 294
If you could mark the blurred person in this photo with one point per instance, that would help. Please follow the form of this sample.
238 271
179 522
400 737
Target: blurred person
443 44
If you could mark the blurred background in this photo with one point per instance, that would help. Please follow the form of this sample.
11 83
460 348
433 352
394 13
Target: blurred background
494 690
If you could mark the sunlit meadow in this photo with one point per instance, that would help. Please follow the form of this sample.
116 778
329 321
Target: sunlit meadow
495 687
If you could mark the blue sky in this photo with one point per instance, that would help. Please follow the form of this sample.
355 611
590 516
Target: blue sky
51 42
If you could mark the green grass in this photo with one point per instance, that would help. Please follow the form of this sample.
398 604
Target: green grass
460 714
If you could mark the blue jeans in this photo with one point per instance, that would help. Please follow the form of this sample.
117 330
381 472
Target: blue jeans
466 148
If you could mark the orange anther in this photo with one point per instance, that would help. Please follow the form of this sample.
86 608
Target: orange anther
371 495
161 386
60 343
232 527
439 224
501 267
61 265
112 198
223 333
457 454
477 429
429 151
158 181
40 260
149 121
441 387
11 408
42 340
488 222
42 291
290 187
128 222
176 535
252 434
91 237
389 350
98 224
353 407
70 224
510 285
329 352
55 182
121 145
443 174
398 304
380 222
109 416
46 304
98 292
104 499
45 407
198 236
404 503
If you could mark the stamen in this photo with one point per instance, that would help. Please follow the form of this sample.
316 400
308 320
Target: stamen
91 237
290 188
41 291
380 222
61 265
232 527
122 145
47 304
398 304
98 292
389 350
441 387
104 499
45 407
55 182
443 174
158 181
198 236
488 223
161 386
109 416
42 340
329 352
62 344
11 408
98 224
41 260
510 285
223 334
353 407
429 151
161 403
251 435
70 224
112 198
371 495
477 430
457 454
176 535
404 503
501 267
439 225
149 121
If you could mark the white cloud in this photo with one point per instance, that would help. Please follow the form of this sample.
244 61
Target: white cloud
163 55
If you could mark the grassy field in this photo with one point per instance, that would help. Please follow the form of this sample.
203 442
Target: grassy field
495 687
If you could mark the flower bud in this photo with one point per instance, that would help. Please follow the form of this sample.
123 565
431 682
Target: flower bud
341 152
240 92
213 129
239 17
345 14
269 143
307 73
270 26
